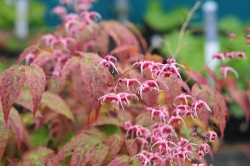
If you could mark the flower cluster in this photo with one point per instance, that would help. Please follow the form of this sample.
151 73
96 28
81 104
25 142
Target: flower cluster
160 142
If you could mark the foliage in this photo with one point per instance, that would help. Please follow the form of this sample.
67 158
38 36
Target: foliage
89 94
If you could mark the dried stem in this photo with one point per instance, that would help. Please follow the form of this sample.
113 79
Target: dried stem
184 26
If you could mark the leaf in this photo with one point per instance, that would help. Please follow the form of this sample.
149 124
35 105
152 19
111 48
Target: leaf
200 94
4 134
101 152
96 80
12 82
171 93
81 92
82 154
216 102
124 52
37 155
114 142
132 147
76 141
197 77
43 57
25 100
70 65
102 41
120 161
57 104
138 34
17 125
28 50
120 34
214 77
36 80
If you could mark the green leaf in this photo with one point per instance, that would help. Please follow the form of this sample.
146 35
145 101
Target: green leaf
12 82
36 80
57 104
39 137
37 155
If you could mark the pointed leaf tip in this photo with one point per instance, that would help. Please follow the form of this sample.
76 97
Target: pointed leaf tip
12 82
36 80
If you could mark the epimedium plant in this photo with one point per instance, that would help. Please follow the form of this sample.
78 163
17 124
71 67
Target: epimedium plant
105 100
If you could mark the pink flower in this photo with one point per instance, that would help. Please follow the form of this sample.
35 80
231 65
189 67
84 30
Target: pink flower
226 69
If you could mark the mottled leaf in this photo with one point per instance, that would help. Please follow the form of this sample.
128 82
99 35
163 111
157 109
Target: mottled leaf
131 147
197 77
100 153
42 57
4 133
12 82
36 80
37 155
171 93
78 140
120 161
70 65
28 50
82 154
95 79
25 100
57 104
17 125
114 142
124 52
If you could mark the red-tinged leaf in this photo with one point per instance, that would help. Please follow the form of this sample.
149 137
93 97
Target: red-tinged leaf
12 83
138 34
28 50
101 152
36 80
96 80
132 147
184 85
4 133
76 141
70 65
171 93
117 119
150 98
57 104
124 52
120 161
80 91
17 125
38 155
214 77
25 100
197 77
42 58
94 132
200 94
120 34
82 154
217 104
114 142
241 98
102 41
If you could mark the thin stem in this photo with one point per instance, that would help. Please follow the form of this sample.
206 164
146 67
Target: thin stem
184 26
